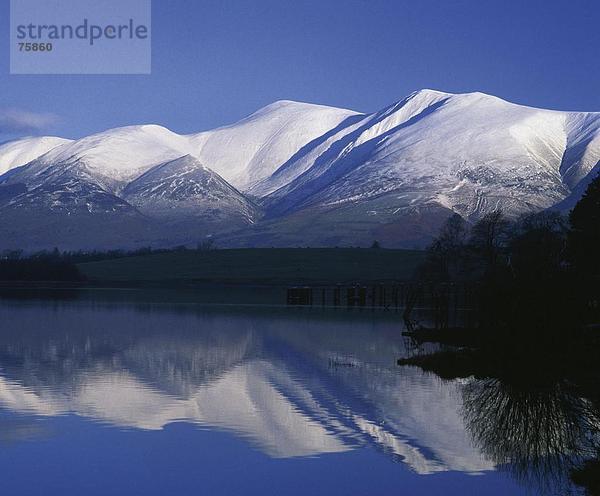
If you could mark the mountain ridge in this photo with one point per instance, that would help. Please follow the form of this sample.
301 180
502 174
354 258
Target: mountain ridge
294 173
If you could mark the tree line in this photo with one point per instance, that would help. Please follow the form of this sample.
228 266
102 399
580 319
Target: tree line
539 272
61 266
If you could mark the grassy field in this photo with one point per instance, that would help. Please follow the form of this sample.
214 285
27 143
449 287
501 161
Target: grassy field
260 266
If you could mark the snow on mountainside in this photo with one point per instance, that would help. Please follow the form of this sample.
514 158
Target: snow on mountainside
184 188
339 138
113 158
253 148
244 152
470 153
583 147
20 152
323 176
68 205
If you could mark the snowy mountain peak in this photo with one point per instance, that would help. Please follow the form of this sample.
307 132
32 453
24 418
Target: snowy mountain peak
118 155
427 93
292 106
252 149
184 190
185 162
426 97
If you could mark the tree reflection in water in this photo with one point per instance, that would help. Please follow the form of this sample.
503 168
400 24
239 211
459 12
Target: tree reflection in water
541 434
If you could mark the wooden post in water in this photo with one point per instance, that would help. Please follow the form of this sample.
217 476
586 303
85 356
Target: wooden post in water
362 296
350 297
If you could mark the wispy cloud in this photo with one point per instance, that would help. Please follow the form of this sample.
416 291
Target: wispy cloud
16 121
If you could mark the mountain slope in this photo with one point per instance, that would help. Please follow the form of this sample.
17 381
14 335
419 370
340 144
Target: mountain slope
469 153
20 152
113 158
184 189
68 212
253 148
178 202
70 197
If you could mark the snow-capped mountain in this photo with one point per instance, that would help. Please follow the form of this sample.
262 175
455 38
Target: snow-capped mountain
185 190
73 195
321 176
111 159
470 153
397 173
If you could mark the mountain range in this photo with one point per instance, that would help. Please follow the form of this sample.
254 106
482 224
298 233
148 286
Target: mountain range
297 174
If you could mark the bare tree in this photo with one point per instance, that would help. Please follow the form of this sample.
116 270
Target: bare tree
488 236
444 255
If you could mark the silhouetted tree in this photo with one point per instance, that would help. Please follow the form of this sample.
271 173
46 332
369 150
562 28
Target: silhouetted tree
584 250
537 247
584 237
445 255
536 255
488 237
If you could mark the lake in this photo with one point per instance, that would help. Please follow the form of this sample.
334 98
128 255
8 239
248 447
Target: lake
128 393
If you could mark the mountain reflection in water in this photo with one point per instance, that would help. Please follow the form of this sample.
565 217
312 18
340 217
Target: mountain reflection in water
290 383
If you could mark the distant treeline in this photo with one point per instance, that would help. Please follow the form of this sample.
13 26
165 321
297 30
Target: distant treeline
38 267
83 256
56 265
541 272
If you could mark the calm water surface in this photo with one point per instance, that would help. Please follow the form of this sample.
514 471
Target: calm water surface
103 396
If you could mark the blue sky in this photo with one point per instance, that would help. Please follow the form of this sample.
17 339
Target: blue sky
217 61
